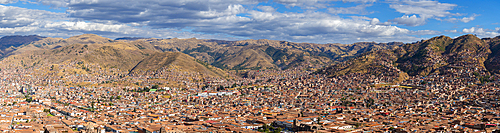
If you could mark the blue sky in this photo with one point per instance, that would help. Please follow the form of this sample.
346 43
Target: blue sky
317 21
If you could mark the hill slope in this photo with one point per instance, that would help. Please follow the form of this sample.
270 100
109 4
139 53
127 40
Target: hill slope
271 54
493 61
167 60
438 55
10 43
84 48
95 55
16 41
123 55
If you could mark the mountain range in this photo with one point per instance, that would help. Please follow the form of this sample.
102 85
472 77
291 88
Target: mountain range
438 55
93 54
205 56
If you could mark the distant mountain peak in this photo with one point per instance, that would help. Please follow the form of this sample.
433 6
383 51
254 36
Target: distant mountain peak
23 36
18 40
130 38
88 39
468 36
84 36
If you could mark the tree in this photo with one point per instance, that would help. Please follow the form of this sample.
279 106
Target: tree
277 130
265 128
357 125
155 87
370 102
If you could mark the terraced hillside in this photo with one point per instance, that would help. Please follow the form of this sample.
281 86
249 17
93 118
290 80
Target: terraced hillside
438 55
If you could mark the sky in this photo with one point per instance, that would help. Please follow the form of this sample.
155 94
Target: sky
315 21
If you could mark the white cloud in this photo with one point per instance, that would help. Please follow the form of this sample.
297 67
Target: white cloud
410 20
84 26
266 8
305 4
154 13
374 21
262 16
451 31
231 10
22 21
360 1
316 4
481 32
464 19
425 32
220 17
214 19
426 9
359 9
55 3
7 1
18 17
306 26
471 30
467 19
67 29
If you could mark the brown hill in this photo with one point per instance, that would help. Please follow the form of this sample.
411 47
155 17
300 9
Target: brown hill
270 54
33 43
85 48
337 52
493 61
120 57
10 43
438 55
124 55
184 63
263 53
423 57
259 54
377 63
17 40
